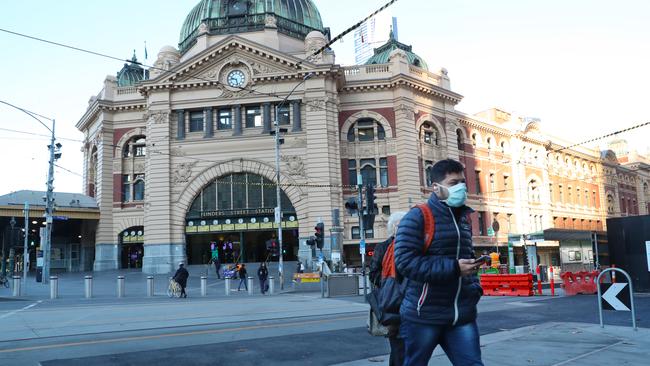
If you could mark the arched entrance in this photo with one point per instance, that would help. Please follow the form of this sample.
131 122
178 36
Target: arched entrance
131 244
235 213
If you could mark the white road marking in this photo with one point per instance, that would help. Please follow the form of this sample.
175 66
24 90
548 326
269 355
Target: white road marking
19 310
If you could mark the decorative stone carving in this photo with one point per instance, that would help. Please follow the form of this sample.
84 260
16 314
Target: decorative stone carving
183 172
270 22
168 57
227 93
295 165
313 42
138 168
409 112
259 68
203 28
157 117
211 74
297 142
315 105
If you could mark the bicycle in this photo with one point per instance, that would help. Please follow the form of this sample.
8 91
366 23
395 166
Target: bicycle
174 289
4 281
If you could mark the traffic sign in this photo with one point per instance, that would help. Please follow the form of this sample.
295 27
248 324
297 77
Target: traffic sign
490 231
614 298
362 247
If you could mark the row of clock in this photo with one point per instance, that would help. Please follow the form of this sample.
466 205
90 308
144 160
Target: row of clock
239 221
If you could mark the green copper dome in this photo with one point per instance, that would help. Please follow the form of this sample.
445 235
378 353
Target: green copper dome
383 53
295 18
132 73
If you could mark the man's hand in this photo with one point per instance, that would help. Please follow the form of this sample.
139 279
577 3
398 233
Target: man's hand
468 267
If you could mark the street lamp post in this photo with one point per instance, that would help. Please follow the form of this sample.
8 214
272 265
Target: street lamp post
54 150
278 212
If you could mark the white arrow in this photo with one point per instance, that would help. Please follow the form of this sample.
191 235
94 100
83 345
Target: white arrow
610 296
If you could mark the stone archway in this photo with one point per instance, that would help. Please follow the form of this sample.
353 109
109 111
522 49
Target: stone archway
289 186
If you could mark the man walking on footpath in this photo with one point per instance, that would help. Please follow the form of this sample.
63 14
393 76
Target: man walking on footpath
442 290
242 277
215 259
263 275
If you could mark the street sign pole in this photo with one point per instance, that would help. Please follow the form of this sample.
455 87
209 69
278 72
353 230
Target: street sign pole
362 243
600 295
25 248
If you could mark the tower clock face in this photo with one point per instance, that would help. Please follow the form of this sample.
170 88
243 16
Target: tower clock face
236 79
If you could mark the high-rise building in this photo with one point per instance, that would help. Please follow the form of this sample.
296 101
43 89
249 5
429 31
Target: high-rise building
372 34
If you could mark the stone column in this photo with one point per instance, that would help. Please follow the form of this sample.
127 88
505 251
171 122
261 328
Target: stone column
209 129
266 107
180 132
106 245
297 118
408 169
238 127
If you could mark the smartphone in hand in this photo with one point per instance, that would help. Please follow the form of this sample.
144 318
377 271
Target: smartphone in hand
483 259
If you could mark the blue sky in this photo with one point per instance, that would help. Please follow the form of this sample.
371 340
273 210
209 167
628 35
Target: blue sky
582 66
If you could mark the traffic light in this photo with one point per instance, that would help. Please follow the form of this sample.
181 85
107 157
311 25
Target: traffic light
352 206
311 241
320 235
272 247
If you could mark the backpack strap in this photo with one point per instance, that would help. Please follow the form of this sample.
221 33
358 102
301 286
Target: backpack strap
429 225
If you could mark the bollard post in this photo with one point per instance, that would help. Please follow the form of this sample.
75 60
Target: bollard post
150 286
271 285
16 286
250 286
54 287
88 286
120 286
552 281
539 280
204 286
227 283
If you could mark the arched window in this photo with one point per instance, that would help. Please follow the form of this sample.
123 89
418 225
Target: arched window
645 188
533 191
366 129
474 139
429 134
136 147
459 139
504 147
368 170
489 143
138 188
610 204
428 173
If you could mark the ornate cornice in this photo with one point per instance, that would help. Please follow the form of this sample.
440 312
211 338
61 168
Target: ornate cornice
430 90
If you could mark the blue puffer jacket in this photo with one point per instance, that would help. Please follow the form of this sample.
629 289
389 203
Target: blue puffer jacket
435 293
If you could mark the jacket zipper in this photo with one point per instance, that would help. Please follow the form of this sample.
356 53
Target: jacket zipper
460 278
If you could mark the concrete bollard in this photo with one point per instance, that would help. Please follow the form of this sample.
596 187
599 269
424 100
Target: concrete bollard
54 287
16 286
271 285
120 286
88 286
150 287
204 286
227 283
250 286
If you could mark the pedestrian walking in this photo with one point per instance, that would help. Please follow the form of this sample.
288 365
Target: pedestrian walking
439 305
300 268
216 261
180 277
395 341
263 275
242 277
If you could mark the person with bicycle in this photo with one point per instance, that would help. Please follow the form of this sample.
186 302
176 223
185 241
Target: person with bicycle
180 277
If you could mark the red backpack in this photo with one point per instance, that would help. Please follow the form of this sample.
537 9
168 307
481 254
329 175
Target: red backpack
388 268
391 293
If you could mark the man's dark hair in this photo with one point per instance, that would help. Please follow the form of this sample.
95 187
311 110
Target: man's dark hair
444 167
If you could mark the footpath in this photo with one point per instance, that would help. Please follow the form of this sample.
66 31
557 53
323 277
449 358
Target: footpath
553 344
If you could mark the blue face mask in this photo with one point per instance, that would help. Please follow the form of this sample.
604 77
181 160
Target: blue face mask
457 195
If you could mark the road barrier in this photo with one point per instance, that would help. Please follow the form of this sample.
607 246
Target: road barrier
120 286
54 287
16 286
582 282
88 286
507 284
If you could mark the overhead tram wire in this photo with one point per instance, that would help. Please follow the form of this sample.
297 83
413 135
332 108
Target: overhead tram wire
601 137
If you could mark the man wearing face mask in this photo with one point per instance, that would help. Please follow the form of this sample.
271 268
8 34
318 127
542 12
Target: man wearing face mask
442 289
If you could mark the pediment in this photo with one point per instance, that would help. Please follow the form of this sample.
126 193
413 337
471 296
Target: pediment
234 53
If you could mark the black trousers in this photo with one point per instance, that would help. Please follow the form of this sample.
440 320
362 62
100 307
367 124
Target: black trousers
396 351
217 266
183 291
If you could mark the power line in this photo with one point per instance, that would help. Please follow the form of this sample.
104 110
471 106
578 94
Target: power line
601 137
38 134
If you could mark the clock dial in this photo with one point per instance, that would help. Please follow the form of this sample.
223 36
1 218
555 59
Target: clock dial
236 79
